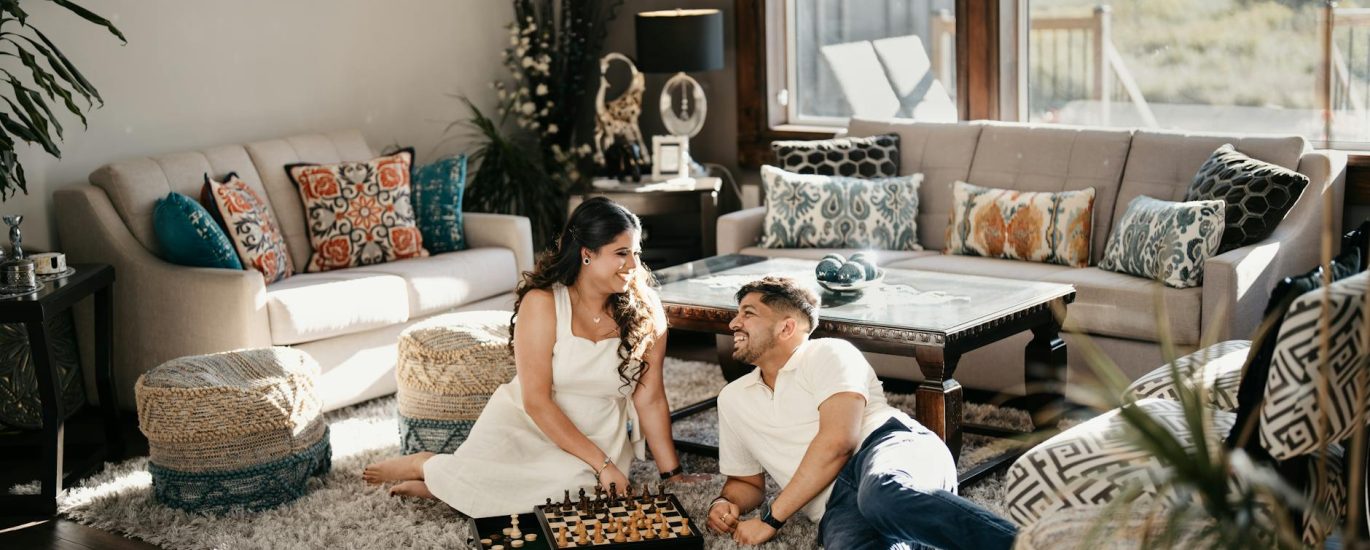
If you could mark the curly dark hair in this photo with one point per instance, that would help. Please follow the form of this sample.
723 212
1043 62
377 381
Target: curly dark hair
784 294
593 224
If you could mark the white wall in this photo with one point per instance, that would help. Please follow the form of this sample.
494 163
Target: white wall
198 73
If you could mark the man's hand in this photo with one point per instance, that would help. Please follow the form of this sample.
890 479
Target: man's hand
752 532
723 517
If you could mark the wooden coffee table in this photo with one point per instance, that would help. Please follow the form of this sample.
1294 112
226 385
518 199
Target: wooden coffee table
934 318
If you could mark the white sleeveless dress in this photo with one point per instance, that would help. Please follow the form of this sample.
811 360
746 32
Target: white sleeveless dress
507 464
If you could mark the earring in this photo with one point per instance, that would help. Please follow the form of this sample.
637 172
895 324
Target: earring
586 260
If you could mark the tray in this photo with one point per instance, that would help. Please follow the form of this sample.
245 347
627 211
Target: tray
856 286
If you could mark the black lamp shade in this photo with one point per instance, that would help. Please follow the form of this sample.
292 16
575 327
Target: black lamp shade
679 41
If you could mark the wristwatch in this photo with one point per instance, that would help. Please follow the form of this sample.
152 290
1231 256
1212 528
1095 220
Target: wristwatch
768 519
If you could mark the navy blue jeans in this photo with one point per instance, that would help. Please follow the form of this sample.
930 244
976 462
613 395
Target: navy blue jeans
899 491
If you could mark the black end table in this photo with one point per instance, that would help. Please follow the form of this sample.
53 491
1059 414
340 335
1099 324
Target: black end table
34 310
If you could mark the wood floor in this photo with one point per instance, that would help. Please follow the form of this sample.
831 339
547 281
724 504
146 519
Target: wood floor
25 532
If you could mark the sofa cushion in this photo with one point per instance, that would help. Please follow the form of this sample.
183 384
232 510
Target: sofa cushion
1162 164
1055 158
1165 241
438 190
270 158
251 224
884 258
809 210
312 306
189 235
1258 194
1035 227
941 152
1218 367
864 157
359 213
976 265
1115 304
444 281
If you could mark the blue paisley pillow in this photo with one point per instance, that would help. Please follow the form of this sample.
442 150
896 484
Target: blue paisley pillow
190 236
814 211
438 188
1165 241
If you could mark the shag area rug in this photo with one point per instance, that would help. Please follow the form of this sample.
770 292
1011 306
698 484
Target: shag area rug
340 511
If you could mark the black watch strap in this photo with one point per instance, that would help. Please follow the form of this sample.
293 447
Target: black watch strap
768 519
679 469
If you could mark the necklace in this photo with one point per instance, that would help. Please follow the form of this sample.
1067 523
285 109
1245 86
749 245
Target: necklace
595 318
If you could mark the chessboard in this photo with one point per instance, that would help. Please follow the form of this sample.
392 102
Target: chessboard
611 521
507 533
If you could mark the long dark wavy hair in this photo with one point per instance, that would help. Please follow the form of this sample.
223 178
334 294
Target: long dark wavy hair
593 224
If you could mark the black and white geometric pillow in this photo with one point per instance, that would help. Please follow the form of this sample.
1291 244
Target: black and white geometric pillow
1291 415
1218 367
1257 193
864 157
1091 464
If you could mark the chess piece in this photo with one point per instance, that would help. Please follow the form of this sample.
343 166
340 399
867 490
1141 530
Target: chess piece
531 537
17 252
516 543
497 547
684 526
620 532
566 502
599 533
549 502
613 492
582 538
486 542
665 530
561 536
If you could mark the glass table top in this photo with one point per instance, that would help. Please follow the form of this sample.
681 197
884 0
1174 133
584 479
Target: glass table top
906 299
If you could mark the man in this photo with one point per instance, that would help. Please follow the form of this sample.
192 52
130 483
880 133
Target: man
813 415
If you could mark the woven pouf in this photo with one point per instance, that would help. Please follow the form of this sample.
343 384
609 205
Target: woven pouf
448 367
235 430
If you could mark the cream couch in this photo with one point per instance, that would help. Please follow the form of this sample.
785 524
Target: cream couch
348 320
1116 312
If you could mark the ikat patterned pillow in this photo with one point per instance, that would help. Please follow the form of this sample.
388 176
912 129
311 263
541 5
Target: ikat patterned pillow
864 157
1165 241
1017 225
438 189
814 211
251 226
359 213
1258 194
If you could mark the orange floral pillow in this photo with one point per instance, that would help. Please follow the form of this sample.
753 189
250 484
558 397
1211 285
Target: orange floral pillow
359 213
248 221
1019 225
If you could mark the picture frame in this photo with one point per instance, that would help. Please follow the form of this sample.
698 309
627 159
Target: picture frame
671 156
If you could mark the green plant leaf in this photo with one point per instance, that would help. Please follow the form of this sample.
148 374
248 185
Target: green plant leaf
86 14
83 85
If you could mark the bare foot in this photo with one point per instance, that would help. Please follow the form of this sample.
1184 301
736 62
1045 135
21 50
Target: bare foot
400 468
411 488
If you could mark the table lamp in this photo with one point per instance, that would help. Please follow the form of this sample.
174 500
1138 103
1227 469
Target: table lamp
680 41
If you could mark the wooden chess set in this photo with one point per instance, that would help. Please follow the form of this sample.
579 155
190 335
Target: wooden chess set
604 519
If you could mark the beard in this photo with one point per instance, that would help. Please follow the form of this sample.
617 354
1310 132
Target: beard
752 349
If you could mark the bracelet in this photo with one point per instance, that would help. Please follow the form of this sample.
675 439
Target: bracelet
715 503
679 469
602 467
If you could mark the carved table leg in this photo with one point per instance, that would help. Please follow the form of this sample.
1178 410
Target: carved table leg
1045 373
939 396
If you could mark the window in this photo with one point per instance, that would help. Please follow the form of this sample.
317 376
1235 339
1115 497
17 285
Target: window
1247 66
873 59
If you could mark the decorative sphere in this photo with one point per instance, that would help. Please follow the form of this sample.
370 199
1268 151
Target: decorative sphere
868 256
867 266
827 269
850 273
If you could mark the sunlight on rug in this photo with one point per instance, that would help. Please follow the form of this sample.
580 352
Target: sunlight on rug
341 511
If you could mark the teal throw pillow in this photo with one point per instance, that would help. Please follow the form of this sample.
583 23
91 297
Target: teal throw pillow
438 188
1165 241
190 236
816 211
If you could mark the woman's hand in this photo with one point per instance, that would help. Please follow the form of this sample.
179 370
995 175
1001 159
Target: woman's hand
688 478
612 474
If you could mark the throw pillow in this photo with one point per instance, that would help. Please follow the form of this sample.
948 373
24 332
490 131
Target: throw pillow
359 213
251 226
1257 193
813 211
438 188
189 235
1036 227
1165 241
865 157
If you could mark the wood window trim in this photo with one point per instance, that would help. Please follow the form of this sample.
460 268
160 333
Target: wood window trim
977 74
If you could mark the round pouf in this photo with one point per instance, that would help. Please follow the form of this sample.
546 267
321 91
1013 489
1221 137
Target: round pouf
448 367
235 430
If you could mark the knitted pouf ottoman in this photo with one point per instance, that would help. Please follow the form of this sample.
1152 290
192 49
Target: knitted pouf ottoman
235 430
448 367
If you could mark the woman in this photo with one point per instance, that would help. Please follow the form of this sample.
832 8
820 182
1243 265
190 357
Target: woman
589 339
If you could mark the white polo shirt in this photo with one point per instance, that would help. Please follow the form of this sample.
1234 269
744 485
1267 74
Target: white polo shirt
763 430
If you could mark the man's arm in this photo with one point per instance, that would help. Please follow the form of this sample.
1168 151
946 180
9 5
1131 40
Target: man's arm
740 494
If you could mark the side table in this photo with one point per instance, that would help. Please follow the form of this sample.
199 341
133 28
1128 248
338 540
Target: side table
669 209
34 310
